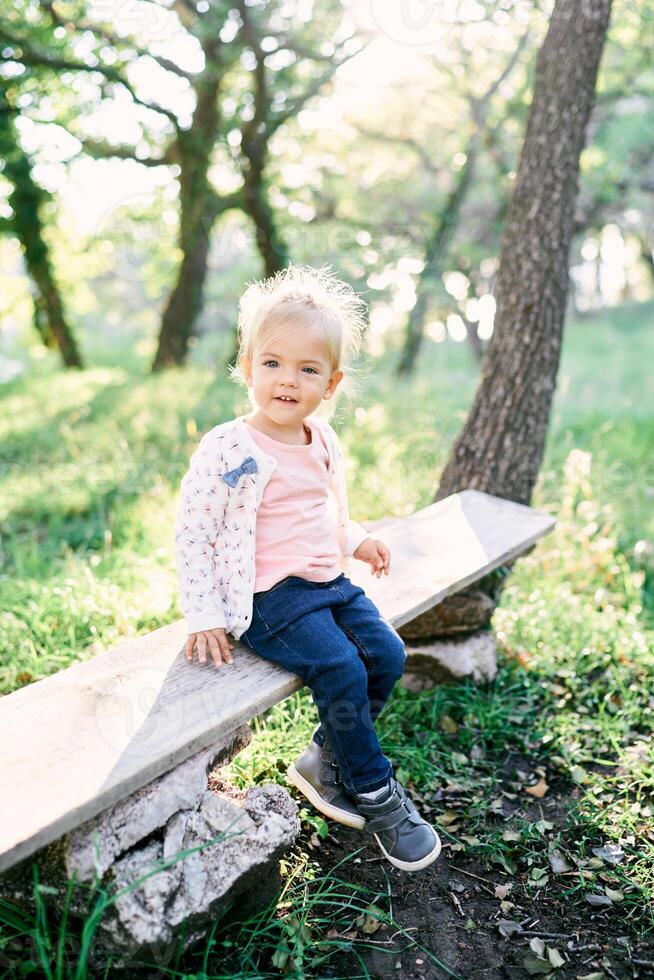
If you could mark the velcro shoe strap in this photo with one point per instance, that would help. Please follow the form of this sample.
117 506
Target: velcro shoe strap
387 820
329 775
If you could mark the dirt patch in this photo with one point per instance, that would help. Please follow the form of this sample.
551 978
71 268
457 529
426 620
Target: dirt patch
451 914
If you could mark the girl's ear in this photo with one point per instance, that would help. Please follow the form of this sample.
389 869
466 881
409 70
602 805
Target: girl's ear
333 383
245 364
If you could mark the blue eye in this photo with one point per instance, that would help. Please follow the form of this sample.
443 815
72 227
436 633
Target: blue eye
272 361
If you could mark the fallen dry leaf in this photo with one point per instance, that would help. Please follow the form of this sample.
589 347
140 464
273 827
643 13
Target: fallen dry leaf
538 790
598 900
509 835
558 863
611 853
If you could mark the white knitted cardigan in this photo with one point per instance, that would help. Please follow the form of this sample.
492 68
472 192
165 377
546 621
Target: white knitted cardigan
215 526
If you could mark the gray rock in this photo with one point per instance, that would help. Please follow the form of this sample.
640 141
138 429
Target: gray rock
222 815
92 847
439 661
173 853
202 885
463 612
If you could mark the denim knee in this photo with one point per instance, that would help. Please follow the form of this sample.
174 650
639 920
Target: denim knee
341 687
395 657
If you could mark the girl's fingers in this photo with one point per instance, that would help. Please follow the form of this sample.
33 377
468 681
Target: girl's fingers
202 648
219 647
226 646
214 647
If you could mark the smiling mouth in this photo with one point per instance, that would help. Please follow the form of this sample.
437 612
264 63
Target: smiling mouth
289 401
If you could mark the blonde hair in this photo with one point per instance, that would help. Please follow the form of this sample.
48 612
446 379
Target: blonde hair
315 297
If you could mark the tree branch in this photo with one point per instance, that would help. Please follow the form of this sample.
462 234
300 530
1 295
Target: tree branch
106 35
295 104
102 149
219 203
479 104
40 59
409 141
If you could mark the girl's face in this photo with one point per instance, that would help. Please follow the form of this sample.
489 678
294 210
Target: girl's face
294 364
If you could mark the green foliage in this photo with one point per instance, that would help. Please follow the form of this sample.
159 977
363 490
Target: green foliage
89 474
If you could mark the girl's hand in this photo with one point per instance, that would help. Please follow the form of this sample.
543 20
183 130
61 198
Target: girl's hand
216 640
376 554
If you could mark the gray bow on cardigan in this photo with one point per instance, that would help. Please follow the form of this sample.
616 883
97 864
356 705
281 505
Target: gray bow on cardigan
231 478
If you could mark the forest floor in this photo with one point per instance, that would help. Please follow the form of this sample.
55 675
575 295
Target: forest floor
465 916
540 782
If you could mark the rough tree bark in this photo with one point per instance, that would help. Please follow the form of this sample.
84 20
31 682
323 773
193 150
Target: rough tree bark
192 150
501 445
25 200
198 212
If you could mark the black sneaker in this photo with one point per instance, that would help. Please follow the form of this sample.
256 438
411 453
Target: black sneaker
408 841
315 773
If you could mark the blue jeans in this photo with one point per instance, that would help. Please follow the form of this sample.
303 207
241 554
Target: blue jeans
334 637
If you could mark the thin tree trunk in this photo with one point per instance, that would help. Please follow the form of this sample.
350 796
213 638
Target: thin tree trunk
441 235
434 254
185 300
197 215
269 240
501 445
474 340
25 200
646 253
414 331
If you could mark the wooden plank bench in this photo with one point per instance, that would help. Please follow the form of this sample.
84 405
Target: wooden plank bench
78 742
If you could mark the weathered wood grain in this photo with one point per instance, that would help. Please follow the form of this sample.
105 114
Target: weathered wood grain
75 743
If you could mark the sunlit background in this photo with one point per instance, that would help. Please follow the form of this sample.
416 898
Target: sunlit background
117 220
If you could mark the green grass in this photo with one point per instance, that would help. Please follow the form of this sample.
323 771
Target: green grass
90 465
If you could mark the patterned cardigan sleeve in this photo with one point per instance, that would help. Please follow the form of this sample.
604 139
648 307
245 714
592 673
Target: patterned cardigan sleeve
197 528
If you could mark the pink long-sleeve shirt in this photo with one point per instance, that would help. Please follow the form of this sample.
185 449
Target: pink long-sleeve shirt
216 526
296 529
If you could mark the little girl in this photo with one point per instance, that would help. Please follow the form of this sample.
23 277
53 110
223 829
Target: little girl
263 540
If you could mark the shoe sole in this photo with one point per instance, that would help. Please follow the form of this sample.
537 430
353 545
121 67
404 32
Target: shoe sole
412 865
314 797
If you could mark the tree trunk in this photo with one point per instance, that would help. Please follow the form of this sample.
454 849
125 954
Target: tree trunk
501 445
185 301
474 341
197 215
269 241
25 200
49 308
434 254
256 204
414 331
646 253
